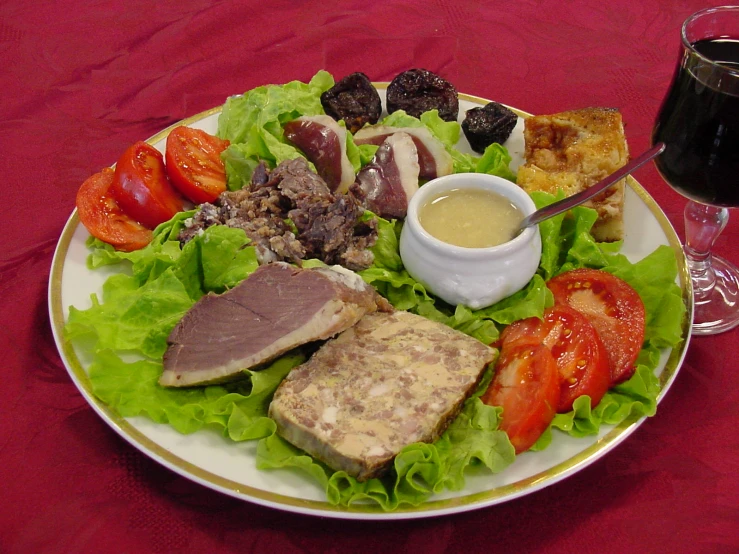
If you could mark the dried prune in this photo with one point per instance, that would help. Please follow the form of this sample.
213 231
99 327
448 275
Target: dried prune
488 124
418 90
353 99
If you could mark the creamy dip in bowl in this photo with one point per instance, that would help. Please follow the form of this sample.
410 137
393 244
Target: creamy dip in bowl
472 276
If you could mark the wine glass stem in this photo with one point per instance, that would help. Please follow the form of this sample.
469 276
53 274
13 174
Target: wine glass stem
703 225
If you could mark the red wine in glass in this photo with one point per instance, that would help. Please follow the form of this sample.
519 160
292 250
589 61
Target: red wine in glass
699 124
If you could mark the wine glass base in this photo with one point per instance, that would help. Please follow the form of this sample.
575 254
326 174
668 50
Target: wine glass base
717 309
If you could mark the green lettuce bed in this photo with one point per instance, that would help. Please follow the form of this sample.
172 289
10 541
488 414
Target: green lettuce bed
140 305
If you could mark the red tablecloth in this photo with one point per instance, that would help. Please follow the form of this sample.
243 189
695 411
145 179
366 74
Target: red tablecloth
82 81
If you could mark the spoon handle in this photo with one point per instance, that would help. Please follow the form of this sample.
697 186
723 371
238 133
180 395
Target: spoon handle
582 196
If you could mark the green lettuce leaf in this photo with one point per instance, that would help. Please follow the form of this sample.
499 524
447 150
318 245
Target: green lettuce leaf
270 106
238 409
132 317
448 132
253 122
495 161
138 310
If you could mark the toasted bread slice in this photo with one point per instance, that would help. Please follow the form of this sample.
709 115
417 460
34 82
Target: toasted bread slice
574 150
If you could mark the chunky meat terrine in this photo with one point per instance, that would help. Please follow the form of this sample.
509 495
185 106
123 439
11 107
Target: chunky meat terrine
276 309
389 381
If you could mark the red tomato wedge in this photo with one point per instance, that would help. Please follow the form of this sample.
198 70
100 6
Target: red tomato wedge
141 186
581 357
194 163
103 217
526 386
613 307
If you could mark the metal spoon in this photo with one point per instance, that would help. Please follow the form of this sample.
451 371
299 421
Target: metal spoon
576 199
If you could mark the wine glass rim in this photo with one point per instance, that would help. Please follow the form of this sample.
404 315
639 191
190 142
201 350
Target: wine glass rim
688 45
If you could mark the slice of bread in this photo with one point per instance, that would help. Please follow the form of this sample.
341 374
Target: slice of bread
574 150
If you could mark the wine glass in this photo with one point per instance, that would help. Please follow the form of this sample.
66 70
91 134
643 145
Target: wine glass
699 124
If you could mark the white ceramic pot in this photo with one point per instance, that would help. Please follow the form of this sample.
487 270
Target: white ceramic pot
474 277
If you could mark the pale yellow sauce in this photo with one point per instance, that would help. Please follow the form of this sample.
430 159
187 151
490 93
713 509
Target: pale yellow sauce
473 218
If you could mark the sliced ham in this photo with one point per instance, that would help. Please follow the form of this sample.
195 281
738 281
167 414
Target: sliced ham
433 158
278 308
391 178
323 141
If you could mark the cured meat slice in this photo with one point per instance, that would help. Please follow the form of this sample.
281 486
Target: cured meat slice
391 178
278 308
433 159
389 381
323 141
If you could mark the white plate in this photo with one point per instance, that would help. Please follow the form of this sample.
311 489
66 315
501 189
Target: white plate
212 460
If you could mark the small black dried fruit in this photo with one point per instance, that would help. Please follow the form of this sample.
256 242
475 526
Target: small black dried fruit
353 99
418 90
488 124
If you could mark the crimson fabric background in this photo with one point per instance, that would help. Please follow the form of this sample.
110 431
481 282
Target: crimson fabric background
81 81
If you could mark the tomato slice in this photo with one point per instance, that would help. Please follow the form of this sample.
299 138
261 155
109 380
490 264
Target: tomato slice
581 357
103 217
526 386
141 186
194 163
613 307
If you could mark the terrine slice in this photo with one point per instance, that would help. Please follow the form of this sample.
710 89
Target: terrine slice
389 381
277 308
